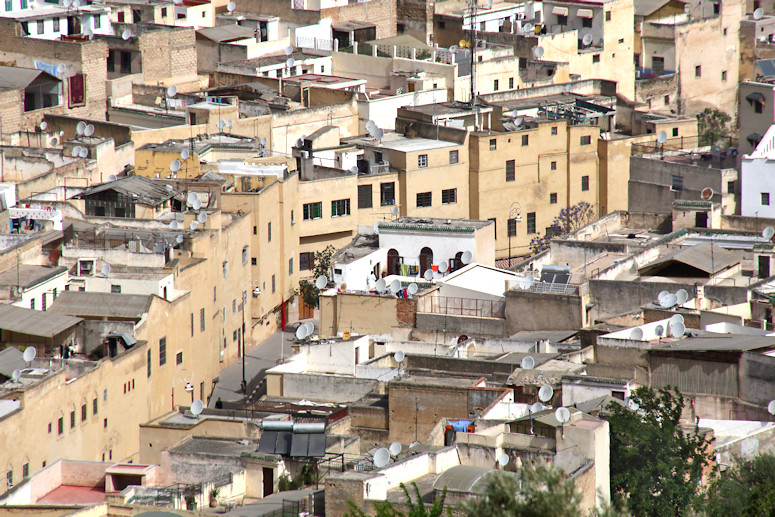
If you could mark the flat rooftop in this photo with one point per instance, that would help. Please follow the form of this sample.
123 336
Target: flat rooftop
434 224
29 275
399 142
73 495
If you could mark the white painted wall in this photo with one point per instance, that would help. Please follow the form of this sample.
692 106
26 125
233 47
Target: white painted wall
383 111
356 273
445 245
43 289
757 175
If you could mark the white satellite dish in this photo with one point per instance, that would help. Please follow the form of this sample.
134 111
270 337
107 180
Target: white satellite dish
231 6
662 295
517 121
193 226
196 407
528 27
538 52
399 356
54 141
379 133
310 328
681 296
394 211
15 375
80 127
105 270
586 40
662 137
376 228
676 318
175 165
545 393
659 330
443 266
43 125
412 289
184 154
29 354
288 50
771 407
526 282
75 151
61 69
202 217
668 301
381 285
321 281
677 330
172 91
527 363
89 130
112 177
301 332
191 198
503 459
768 232
179 239
536 408
381 457
173 225
126 34
395 449
84 152
197 204
395 286
428 275
467 257
562 414
758 13
636 334
631 404
290 62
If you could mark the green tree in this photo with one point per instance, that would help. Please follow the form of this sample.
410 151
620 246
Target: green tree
656 467
713 126
747 488
322 260
416 508
539 492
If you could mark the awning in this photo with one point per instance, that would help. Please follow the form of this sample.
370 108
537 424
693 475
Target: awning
754 137
560 11
584 13
755 96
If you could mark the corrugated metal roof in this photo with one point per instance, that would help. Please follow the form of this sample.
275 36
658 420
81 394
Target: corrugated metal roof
140 188
766 67
16 77
34 323
88 304
705 257
224 33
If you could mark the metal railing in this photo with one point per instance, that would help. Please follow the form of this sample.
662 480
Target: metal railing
683 143
473 307
554 288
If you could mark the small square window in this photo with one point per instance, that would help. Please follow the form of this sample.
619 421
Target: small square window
424 199
724 75
179 358
554 130
676 183
584 183
586 23
675 131
667 100
553 198
253 261
453 156
765 198
586 140
493 144
562 19
698 71
608 16
105 423
422 160
495 85
730 187
449 196
595 58
553 166
525 140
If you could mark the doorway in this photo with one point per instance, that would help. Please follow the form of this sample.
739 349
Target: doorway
268 481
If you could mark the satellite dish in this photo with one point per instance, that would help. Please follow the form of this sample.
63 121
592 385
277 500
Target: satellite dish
370 124
15 375
310 328
399 356
61 69
562 414
758 13
379 133
80 128
76 151
84 152
43 125
173 225
586 40
54 141
412 289
175 165
668 301
68 3
381 457
221 124
197 204
536 408
503 459
196 407
661 295
193 226
288 50
706 193
636 334
376 228
321 281
381 285
202 217
395 286
528 27
394 211
428 275
126 34
681 296
191 198
545 393
467 257
527 363
301 332
675 319
659 330
231 6
172 91
443 266
89 130
770 406
184 154
290 62
768 232
395 449
105 270
662 137
517 121
112 177
29 354
631 404
526 282
179 239
538 52
452 48
677 330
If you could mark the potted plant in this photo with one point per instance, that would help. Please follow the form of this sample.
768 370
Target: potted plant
214 496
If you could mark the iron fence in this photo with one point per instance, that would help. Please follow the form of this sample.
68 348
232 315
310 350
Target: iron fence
453 306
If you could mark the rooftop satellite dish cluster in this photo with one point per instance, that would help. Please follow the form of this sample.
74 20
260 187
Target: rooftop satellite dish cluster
668 300
374 130
305 330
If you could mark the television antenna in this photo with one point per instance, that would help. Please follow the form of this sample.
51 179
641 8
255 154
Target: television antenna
545 393
231 6
681 296
706 194
202 217
75 151
528 27
677 330
29 354
770 406
675 319
562 414
301 332
88 130
197 204
394 211
175 165
758 13
191 198
395 449
659 330
310 328
526 282
172 91
43 125
412 289
631 404
179 239
668 301
538 52
184 154
84 152
288 50
376 228
443 266
527 363
193 226
381 457
662 137
126 34
196 408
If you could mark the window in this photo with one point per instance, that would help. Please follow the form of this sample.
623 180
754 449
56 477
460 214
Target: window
269 231
510 170
723 75
273 284
449 196
290 266
148 363
95 402
43 302
677 183
292 220
387 194
511 83
32 303
495 85
525 140
584 183
493 144
553 198
364 196
245 256
179 358
758 107
225 267
765 198
378 156
191 324
554 130
340 207
586 140
730 187
255 230
202 319
77 90
306 261
25 470
553 166
453 156
253 261
56 24
97 21
531 222
84 412
312 211
442 25
49 427
8 5
595 58
163 351
562 19
667 100
105 423
72 419
41 27
698 71
9 478
234 306
424 199
608 16
586 22
422 160
115 289
512 227
61 425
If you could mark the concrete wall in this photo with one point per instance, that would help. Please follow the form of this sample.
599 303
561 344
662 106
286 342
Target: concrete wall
526 310
756 376
469 325
327 388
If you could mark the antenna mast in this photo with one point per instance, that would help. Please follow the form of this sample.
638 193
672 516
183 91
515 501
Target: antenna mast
473 6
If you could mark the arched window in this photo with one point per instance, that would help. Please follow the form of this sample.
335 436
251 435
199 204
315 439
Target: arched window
426 259
393 262
458 262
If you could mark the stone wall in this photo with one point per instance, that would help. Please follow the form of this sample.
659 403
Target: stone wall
168 53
